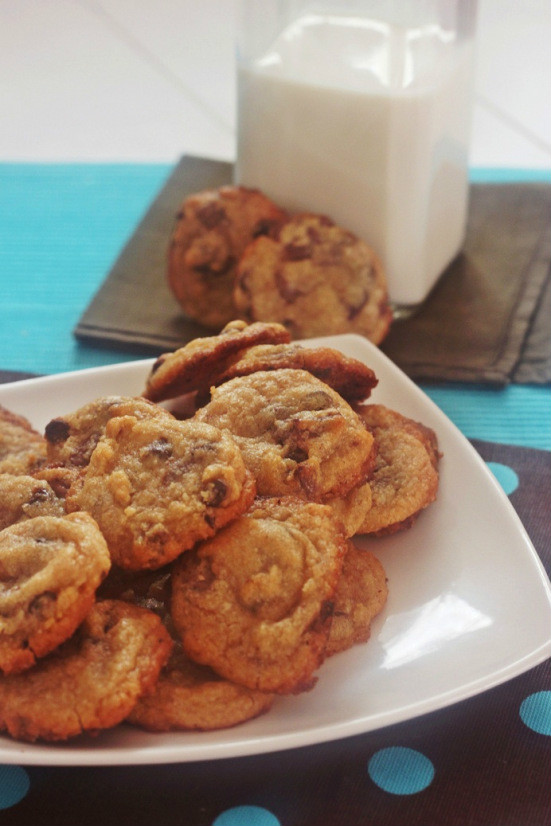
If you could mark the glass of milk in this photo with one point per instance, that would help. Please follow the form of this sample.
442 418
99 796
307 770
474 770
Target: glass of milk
361 111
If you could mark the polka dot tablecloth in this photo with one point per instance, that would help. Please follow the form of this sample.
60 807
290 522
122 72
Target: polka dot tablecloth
482 762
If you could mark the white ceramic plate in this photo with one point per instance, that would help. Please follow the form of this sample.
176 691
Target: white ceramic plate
469 604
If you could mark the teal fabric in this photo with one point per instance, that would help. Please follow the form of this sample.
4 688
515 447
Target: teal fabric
499 176
61 228
515 415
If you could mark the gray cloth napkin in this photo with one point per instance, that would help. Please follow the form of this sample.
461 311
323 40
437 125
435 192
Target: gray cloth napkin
489 317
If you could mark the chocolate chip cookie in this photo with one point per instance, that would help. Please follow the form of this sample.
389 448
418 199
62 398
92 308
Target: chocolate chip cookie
92 681
212 229
23 497
189 696
50 568
351 378
316 278
22 448
361 594
72 438
158 485
296 434
198 365
255 601
405 477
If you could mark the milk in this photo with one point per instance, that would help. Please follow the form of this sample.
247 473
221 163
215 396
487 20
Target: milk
368 123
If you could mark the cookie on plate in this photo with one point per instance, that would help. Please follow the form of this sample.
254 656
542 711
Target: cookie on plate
23 497
316 278
72 438
22 448
50 569
351 378
198 365
361 594
351 508
212 229
189 696
296 434
255 601
405 477
157 486
92 681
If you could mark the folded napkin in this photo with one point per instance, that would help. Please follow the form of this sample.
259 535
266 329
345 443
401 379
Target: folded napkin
487 319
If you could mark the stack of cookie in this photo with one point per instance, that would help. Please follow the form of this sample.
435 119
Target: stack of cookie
70 663
181 558
235 254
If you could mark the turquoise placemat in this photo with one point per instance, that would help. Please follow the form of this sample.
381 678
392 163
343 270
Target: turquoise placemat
515 415
61 228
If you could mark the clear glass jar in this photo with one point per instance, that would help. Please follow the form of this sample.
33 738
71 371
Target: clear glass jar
361 111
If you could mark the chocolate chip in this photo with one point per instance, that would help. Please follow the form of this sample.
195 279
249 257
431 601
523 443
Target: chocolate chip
297 454
41 602
160 361
262 227
297 252
313 235
211 215
327 610
215 493
288 293
325 614
161 448
39 495
57 431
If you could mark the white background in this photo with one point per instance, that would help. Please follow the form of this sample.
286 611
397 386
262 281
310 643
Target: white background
151 80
